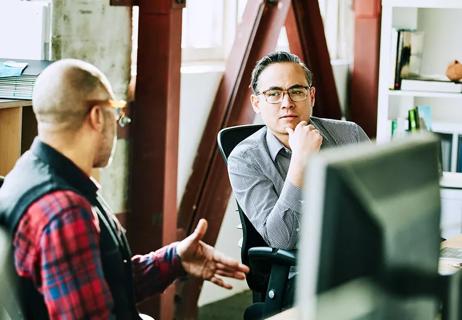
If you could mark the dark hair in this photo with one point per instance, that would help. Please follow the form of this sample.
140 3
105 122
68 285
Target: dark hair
276 57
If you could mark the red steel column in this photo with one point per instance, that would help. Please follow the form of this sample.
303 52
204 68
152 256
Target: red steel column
365 76
207 191
305 32
152 219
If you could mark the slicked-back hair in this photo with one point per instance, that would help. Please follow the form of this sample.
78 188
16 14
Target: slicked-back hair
277 57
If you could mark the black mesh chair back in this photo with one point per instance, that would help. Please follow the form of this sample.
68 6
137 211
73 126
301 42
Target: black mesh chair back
228 139
269 267
10 299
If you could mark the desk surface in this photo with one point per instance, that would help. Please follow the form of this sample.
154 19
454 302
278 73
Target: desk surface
7 103
445 267
452 180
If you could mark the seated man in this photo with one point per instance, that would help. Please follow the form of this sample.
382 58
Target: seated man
266 169
70 252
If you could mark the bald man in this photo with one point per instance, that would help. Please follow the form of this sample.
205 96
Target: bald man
70 252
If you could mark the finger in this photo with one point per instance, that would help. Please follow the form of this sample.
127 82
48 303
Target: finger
221 283
290 131
301 124
311 127
235 275
223 262
232 268
200 230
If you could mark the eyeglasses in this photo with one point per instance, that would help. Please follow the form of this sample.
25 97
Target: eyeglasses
296 94
119 108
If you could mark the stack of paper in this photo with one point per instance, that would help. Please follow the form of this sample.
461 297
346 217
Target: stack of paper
17 77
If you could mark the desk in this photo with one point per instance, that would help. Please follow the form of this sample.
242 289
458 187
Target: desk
451 204
445 267
17 129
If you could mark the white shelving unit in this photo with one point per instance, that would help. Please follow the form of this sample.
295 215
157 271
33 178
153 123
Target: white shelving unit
440 22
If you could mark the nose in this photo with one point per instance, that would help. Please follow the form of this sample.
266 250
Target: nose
286 101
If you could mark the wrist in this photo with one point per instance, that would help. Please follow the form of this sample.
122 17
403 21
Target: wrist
177 260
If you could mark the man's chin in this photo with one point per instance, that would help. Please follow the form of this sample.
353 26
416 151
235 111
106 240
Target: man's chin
101 164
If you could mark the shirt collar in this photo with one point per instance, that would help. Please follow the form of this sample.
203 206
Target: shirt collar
65 168
274 145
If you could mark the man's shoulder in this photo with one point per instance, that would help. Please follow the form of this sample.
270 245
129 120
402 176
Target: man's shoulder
334 123
58 208
342 132
252 144
55 203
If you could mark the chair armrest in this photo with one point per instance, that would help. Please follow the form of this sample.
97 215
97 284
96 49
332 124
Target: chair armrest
272 255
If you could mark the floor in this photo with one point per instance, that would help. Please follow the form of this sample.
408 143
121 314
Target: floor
231 308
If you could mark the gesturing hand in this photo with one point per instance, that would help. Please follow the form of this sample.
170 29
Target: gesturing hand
203 261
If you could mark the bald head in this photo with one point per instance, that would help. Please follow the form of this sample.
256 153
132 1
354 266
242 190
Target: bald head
62 92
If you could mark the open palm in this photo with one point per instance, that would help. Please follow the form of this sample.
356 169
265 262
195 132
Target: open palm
203 261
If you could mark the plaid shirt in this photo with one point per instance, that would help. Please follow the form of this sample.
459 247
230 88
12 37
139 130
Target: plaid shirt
56 245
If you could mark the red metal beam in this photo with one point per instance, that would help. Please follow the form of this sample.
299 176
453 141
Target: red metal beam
207 191
365 75
151 222
305 32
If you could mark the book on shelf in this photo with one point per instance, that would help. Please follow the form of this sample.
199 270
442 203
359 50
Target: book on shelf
459 155
446 150
419 118
406 54
20 87
431 84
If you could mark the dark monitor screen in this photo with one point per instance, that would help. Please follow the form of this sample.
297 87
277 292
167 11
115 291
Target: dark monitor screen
371 212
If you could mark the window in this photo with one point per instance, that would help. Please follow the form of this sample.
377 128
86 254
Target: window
338 18
209 27
30 40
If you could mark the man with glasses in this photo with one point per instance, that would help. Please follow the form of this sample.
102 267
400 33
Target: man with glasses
266 169
70 252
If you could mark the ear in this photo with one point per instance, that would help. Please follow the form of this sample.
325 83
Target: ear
312 94
255 103
96 118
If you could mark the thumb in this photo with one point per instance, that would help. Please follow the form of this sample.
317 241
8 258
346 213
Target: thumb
200 230
290 131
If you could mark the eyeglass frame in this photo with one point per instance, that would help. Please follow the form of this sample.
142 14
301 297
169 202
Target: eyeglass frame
119 107
286 91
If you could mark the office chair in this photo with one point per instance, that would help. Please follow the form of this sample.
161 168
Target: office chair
10 302
269 267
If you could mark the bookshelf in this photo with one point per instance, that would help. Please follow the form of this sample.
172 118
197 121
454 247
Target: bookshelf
440 21
17 130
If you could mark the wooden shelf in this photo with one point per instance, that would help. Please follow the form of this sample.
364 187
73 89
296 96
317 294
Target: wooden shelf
6 103
17 129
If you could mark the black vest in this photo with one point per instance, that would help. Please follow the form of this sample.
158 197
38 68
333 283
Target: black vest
42 170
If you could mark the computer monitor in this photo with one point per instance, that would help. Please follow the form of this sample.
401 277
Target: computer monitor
370 232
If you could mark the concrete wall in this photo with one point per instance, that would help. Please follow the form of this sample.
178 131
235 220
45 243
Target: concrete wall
100 34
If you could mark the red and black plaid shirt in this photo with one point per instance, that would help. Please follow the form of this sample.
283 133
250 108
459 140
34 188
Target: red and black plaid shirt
57 247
